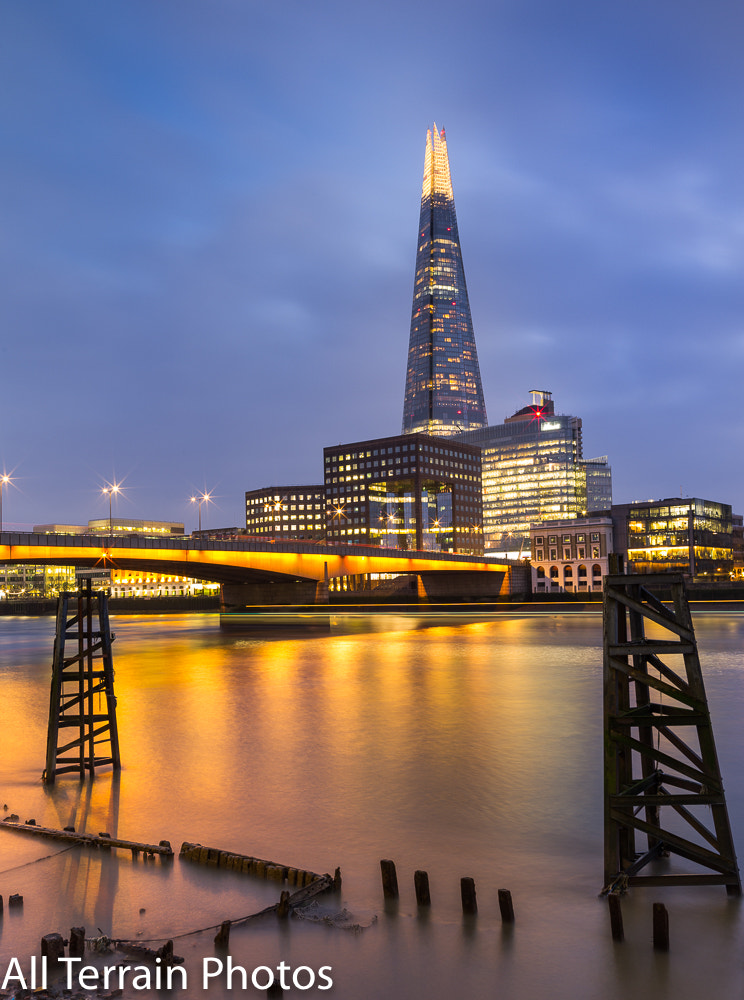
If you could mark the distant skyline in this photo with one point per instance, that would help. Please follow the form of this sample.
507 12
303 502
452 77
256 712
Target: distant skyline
207 243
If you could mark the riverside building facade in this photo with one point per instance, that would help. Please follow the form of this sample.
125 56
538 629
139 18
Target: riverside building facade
677 535
570 556
411 491
534 471
287 512
443 394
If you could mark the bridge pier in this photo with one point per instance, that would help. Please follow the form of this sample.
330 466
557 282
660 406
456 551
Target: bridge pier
237 596
462 586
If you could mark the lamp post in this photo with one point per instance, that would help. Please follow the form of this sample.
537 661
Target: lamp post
113 488
4 481
199 499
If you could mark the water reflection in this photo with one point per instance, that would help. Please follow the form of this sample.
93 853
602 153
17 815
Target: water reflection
469 749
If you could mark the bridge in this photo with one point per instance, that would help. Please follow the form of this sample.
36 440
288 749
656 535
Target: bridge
262 571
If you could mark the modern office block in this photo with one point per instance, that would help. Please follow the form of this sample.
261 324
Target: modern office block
677 535
411 491
533 471
286 512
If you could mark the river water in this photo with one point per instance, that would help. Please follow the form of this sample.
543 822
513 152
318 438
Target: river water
467 749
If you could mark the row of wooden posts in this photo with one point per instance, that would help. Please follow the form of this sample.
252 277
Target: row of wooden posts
14 902
506 906
660 922
247 865
423 895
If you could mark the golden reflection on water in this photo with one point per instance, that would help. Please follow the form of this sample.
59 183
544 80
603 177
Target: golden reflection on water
472 749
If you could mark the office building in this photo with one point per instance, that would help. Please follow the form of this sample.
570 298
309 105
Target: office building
443 394
534 471
286 512
676 535
737 541
412 491
115 525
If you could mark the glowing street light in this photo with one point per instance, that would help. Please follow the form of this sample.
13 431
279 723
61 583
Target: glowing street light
5 480
199 499
111 489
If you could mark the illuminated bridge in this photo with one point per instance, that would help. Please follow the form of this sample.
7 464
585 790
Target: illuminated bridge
262 571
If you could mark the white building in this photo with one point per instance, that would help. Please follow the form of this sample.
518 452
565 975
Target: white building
570 556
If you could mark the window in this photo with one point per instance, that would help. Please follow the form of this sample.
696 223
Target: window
538 540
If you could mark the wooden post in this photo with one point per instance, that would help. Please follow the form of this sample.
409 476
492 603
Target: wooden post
77 942
222 938
661 927
53 948
421 884
282 907
616 917
506 906
467 892
389 879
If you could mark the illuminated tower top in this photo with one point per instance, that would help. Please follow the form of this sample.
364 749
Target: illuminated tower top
443 394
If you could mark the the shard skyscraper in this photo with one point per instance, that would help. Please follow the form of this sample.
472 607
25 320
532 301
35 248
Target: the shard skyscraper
444 395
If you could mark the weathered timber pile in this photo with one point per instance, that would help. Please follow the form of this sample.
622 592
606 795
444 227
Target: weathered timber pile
103 840
246 865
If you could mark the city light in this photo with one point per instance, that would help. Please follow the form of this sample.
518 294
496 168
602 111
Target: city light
200 498
111 489
5 480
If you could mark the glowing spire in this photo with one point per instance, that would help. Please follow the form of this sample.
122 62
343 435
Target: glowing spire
443 395
437 178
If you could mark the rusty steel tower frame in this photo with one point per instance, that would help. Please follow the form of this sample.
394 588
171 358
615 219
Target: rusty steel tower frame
662 780
82 733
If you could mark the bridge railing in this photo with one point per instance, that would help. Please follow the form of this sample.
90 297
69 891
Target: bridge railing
33 539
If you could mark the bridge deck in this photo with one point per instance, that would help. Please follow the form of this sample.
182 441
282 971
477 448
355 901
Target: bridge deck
229 561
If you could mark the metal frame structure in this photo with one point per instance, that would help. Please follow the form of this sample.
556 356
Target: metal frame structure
76 680
661 772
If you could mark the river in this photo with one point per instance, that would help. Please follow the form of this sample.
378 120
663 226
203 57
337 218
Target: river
467 749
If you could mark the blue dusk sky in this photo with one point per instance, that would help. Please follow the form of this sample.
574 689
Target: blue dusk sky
209 214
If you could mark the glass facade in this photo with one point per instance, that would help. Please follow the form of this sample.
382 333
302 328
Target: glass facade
598 483
677 535
443 393
407 492
533 471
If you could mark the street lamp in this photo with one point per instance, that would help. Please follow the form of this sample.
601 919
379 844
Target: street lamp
199 499
111 489
5 480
